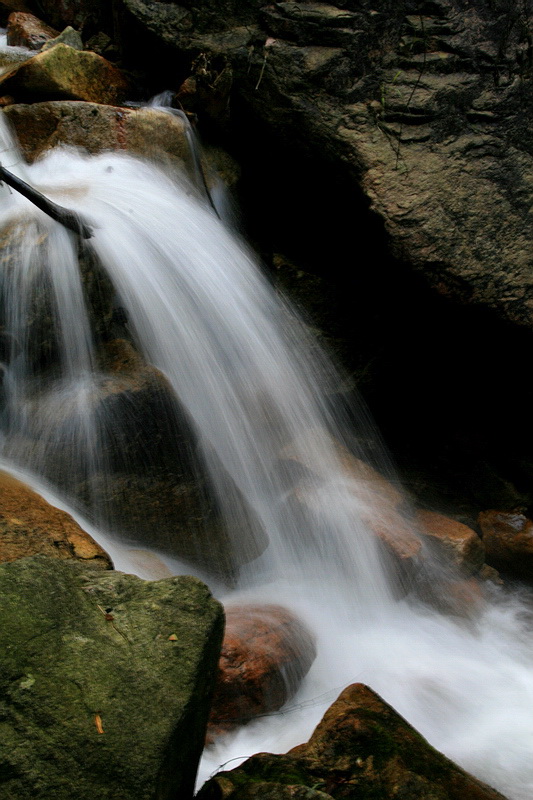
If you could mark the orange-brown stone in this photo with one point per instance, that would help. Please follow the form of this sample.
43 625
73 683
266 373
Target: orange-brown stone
31 526
145 132
381 503
265 654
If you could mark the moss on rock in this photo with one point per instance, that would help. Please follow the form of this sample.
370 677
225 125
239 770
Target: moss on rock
105 682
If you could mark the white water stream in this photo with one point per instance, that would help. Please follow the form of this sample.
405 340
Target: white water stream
257 393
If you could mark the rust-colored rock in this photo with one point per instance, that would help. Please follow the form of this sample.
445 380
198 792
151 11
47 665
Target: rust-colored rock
266 652
63 72
26 30
31 526
362 748
508 540
454 542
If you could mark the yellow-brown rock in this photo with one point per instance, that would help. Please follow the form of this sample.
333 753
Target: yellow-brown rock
95 127
62 71
31 526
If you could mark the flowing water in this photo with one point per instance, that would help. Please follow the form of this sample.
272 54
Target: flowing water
257 393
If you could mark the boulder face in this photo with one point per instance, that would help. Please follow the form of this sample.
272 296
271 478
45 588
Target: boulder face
430 110
508 540
361 749
105 682
30 526
96 127
266 653
142 482
25 30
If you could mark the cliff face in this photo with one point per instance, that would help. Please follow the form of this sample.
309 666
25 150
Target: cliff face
428 105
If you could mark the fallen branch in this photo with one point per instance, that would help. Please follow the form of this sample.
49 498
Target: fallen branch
62 215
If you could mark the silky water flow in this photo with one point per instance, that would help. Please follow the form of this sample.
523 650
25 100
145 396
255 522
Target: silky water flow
257 391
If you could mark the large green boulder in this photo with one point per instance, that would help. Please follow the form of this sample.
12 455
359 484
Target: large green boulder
105 682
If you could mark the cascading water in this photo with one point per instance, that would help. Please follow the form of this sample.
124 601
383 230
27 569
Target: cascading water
256 391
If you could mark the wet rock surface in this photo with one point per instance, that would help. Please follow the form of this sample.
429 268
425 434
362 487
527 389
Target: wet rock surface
97 127
105 681
266 653
455 542
30 526
361 749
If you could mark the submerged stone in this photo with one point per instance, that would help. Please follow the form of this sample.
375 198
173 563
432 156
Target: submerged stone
453 541
105 682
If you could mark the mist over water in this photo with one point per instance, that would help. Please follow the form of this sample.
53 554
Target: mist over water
258 394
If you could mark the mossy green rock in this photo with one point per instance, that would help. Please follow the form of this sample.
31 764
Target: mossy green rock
361 750
105 682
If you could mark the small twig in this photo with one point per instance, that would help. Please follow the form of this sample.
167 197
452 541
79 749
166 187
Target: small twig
111 619
69 219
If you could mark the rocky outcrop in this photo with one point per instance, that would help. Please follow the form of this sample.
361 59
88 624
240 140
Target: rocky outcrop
64 72
266 653
105 682
508 540
26 30
30 526
428 108
361 749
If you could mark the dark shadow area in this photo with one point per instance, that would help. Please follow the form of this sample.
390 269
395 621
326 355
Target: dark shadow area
446 384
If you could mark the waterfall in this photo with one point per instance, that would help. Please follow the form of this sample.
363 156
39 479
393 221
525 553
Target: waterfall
257 392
